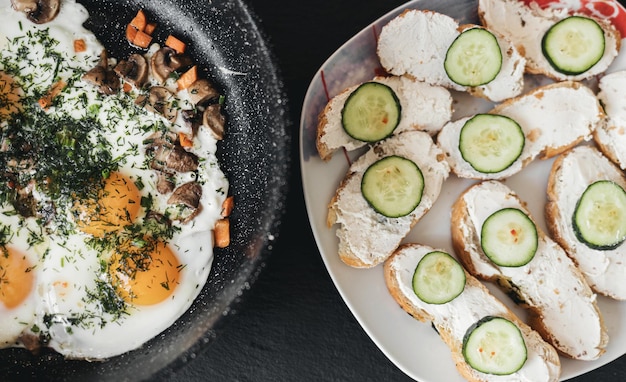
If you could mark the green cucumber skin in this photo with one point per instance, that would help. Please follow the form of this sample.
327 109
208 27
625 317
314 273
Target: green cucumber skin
580 236
528 258
355 93
377 208
503 167
450 297
477 325
451 68
558 67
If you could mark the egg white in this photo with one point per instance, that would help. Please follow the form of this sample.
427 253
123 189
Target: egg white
66 268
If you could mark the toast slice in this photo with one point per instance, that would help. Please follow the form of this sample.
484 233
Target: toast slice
415 43
525 25
610 136
571 174
367 238
561 305
424 107
552 117
453 319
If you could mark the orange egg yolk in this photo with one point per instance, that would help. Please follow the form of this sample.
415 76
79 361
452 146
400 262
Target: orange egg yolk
16 277
117 206
146 275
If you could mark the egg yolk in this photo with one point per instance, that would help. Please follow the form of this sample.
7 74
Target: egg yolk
16 278
146 274
117 206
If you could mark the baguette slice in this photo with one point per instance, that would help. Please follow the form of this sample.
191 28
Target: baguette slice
553 118
453 319
610 136
424 107
561 304
367 238
415 43
571 173
525 25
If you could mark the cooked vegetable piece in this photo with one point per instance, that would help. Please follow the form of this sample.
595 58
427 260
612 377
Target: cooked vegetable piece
188 78
474 58
393 186
438 278
491 143
509 238
175 44
495 345
221 233
371 113
573 45
600 216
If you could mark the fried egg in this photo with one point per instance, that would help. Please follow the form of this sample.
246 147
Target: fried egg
95 260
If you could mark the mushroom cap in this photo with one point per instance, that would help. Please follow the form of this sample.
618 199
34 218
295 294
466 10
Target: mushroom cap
214 120
133 70
165 61
37 11
202 91
160 100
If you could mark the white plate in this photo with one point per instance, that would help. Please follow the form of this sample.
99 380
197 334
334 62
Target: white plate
412 346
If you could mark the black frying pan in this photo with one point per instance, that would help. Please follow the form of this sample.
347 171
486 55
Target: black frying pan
254 155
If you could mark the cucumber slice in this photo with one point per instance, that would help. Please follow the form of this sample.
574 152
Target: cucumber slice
438 278
474 58
393 186
491 143
371 113
509 238
495 345
573 45
600 216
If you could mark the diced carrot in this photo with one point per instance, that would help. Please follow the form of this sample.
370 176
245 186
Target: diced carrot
142 39
150 28
175 44
221 233
127 87
185 141
131 33
80 45
46 101
187 78
139 21
227 206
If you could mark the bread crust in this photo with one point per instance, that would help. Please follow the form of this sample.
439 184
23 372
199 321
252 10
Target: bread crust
538 310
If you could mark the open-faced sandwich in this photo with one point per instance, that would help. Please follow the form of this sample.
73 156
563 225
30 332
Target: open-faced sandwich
487 340
434 48
541 123
555 43
610 136
374 110
586 214
385 192
496 239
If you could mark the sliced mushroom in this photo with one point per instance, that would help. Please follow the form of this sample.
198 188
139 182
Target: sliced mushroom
164 184
165 61
103 77
187 194
134 70
214 120
37 11
193 120
161 101
201 92
187 200
168 155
